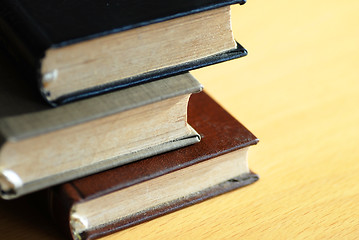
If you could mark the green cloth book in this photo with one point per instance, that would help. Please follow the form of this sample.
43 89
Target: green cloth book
42 146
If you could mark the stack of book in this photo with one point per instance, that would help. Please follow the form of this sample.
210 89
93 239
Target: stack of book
126 134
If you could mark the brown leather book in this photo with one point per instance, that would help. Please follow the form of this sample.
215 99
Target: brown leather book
119 198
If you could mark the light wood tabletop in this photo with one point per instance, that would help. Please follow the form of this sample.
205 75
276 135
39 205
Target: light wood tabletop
298 92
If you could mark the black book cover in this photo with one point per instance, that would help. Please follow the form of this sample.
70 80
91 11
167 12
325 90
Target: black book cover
31 27
41 24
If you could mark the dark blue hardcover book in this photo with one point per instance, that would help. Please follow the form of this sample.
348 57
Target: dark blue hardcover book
54 37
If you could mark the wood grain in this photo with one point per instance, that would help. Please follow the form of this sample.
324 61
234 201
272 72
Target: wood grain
298 91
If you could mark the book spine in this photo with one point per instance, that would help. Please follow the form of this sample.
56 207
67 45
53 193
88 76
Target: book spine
60 200
20 32
23 39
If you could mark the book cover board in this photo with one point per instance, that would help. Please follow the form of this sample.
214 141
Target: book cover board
221 134
39 26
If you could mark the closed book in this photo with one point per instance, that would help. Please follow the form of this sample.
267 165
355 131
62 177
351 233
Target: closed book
79 49
42 146
119 198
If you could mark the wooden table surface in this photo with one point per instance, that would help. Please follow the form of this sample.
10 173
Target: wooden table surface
298 91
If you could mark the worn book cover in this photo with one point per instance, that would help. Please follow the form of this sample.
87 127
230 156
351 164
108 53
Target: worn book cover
34 30
119 198
42 146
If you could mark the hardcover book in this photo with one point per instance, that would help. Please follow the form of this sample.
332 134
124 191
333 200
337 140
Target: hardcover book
42 146
78 49
119 198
